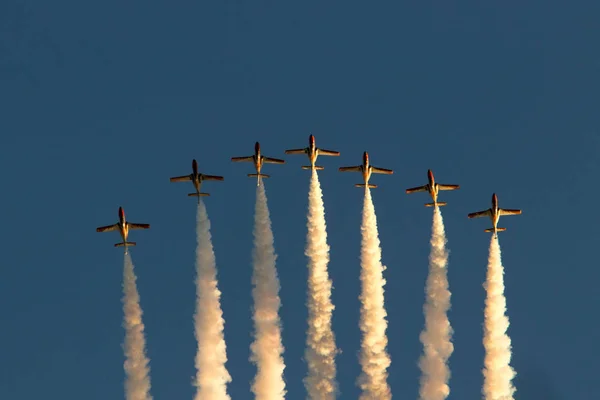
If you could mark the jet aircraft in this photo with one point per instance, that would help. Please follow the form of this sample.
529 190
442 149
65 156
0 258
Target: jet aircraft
366 169
196 179
258 161
123 226
494 213
313 152
433 188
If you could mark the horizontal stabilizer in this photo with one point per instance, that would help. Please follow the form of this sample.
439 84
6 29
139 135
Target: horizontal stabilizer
257 175
370 185
317 167
497 229
439 203
196 194
123 244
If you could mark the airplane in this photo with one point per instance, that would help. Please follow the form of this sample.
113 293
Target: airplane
433 188
313 152
196 179
258 161
123 227
494 213
366 169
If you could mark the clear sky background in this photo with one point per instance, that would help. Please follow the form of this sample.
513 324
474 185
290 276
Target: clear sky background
100 103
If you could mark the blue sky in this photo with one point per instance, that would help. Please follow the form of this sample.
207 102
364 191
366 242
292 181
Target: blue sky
102 103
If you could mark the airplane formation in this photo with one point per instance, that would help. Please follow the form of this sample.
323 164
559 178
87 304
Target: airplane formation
313 152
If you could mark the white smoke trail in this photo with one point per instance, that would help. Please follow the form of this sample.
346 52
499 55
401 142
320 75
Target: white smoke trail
374 358
267 348
137 382
211 375
497 371
436 336
321 351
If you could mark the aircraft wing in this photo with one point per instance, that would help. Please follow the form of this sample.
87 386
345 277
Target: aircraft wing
212 178
295 151
351 169
108 228
270 160
238 159
504 211
417 189
478 214
448 187
181 178
376 170
138 226
323 152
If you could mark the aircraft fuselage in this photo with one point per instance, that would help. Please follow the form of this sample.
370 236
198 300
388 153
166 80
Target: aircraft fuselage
123 228
495 217
367 169
196 178
313 152
258 158
433 187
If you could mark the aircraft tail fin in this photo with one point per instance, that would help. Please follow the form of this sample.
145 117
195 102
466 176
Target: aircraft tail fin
497 229
196 194
317 167
258 175
370 185
439 203
121 244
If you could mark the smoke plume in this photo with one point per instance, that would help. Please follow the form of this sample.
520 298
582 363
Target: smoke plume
211 375
374 358
321 350
267 348
497 372
436 336
137 382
